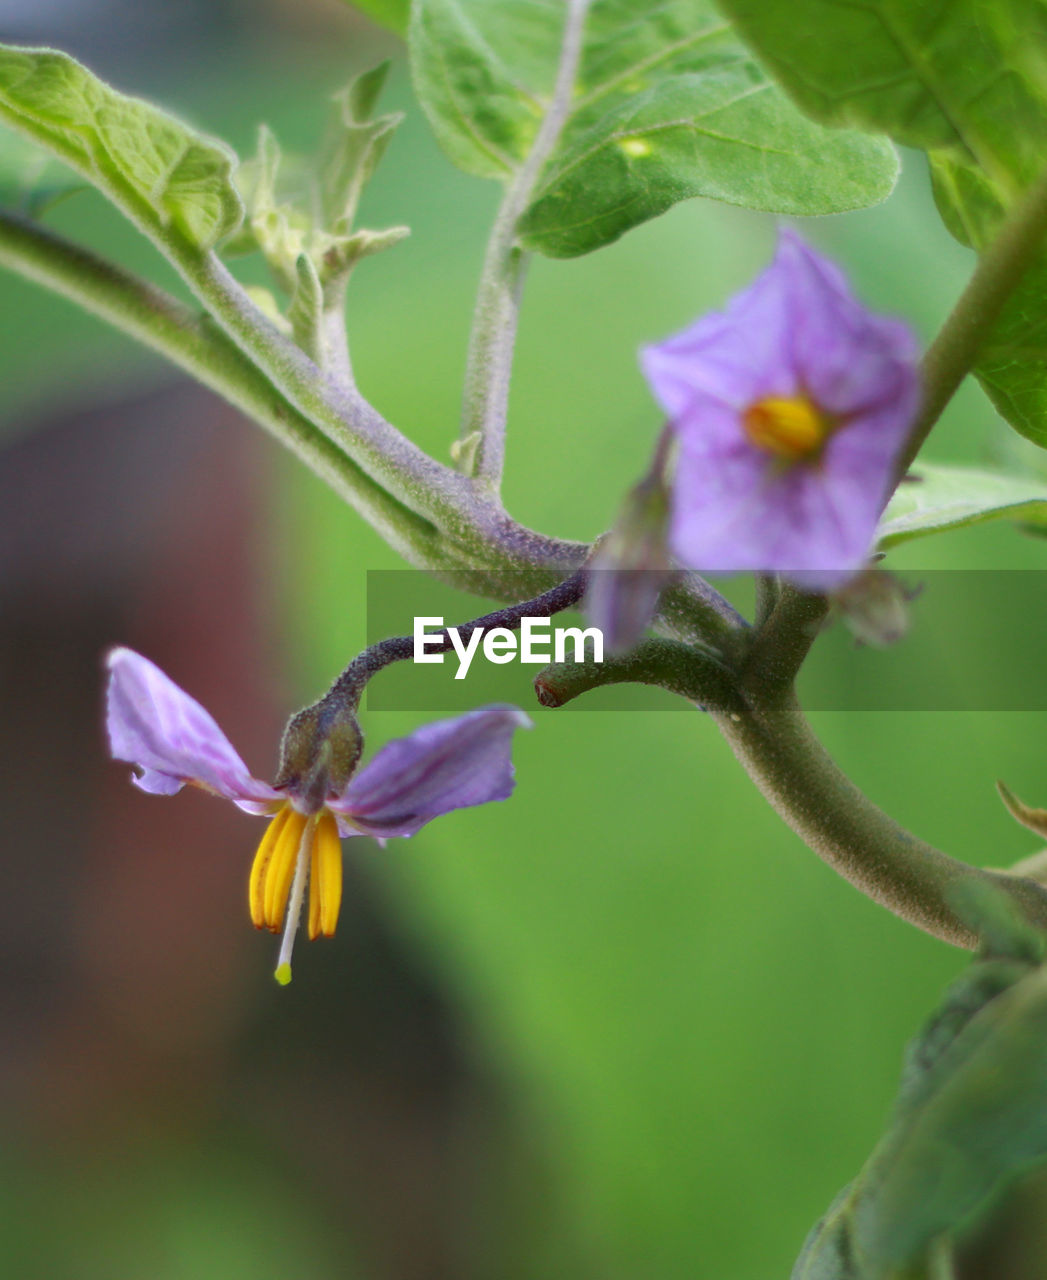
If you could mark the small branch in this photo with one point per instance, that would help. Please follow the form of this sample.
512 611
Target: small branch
780 753
489 362
999 272
667 664
348 688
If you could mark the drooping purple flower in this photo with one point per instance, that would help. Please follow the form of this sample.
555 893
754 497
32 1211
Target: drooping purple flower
172 740
790 408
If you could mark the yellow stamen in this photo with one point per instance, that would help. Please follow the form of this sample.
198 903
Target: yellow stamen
281 868
260 866
314 893
325 895
790 427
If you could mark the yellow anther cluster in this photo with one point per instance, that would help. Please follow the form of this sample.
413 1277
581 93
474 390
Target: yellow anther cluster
290 837
790 427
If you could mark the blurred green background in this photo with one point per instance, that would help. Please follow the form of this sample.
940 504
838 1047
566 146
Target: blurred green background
623 1026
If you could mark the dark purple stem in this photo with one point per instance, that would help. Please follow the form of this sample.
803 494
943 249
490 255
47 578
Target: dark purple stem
348 688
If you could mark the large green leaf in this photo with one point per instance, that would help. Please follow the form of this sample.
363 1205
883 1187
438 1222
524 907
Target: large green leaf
939 74
951 497
667 105
966 81
169 179
1012 366
971 1111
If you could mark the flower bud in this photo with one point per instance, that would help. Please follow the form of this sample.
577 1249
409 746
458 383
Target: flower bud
630 567
874 606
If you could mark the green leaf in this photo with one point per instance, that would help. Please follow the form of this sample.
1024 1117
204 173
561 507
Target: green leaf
715 135
667 105
971 1112
951 497
388 13
170 180
948 75
982 1122
1012 366
962 79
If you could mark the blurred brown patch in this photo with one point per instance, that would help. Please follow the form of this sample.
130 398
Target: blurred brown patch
139 1005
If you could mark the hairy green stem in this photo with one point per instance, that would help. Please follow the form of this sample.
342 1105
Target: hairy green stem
780 752
999 272
191 342
485 406
498 557
781 644
699 677
396 463
778 749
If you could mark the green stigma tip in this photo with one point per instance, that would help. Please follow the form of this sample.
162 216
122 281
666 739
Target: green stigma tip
283 974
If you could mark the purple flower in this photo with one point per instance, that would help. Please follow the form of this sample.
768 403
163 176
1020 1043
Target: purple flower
172 740
790 408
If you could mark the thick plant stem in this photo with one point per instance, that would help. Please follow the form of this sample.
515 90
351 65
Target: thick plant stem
778 749
781 754
783 641
999 272
481 445
701 678
398 465
192 343
498 557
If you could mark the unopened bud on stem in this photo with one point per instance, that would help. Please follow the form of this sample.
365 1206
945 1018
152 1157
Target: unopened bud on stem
631 565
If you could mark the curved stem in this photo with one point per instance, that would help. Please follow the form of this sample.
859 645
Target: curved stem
348 688
779 751
666 664
781 754
481 447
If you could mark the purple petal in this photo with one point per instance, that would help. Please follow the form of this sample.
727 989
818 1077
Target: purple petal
814 523
450 764
844 356
736 356
171 738
797 331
